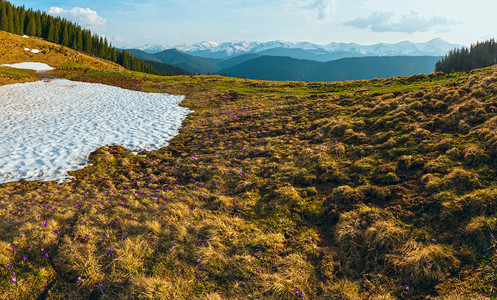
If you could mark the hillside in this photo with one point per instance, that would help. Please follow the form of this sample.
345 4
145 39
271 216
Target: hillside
12 49
228 63
142 54
191 63
277 64
315 54
375 189
286 68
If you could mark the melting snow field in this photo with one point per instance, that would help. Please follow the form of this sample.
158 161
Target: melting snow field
30 65
50 127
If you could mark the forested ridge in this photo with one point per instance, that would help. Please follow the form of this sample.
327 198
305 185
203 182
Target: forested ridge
479 55
18 20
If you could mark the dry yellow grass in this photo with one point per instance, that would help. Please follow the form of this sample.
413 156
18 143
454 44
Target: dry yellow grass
12 51
365 189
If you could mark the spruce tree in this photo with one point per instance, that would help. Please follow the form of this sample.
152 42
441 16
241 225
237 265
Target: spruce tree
57 31
54 29
16 22
51 31
79 41
65 36
10 16
39 25
31 27
87 42
22 20
4 18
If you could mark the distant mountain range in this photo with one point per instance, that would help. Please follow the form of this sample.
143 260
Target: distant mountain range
306 50
354 68
304 61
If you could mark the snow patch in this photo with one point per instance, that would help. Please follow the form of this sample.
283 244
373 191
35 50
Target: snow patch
30 66
50 127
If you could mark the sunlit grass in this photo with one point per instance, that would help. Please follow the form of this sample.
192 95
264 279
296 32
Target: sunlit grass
378 189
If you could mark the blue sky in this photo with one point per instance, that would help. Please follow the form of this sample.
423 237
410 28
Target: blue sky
129 23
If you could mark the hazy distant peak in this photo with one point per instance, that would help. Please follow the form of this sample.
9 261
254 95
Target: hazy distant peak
210 49
204 45
149 48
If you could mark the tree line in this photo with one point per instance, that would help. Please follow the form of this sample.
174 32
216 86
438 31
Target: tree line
18 20
479 55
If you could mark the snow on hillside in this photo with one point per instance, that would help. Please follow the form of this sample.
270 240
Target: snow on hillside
30 66
50 127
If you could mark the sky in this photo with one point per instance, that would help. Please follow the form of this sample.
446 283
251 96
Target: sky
132 23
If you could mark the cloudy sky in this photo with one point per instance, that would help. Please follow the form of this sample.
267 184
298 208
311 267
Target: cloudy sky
129 23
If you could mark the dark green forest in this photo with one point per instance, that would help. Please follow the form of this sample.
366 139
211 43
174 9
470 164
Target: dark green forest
479 55
18 20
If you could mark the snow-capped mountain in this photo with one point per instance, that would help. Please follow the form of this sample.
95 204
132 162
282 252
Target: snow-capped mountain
306 50
435 47
153 48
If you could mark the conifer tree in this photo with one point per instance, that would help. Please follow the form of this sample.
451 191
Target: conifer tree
31 26
39 26
4 18
87 42
479 55
22 19
65 36
10 17
51 30
15 22
18 20
79 41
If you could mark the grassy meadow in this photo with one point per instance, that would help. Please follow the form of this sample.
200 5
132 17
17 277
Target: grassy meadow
379 189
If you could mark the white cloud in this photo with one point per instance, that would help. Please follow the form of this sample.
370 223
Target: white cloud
383 21
83 16
322 8
118 38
